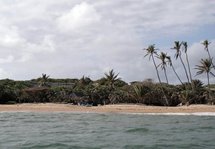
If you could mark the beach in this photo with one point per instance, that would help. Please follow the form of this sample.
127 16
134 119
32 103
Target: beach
117 108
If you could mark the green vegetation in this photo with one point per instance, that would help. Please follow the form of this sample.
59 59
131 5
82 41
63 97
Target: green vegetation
113 90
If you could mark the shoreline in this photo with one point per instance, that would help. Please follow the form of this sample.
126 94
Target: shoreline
117 108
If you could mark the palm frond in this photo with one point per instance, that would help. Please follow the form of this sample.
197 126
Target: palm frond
184 43
206 66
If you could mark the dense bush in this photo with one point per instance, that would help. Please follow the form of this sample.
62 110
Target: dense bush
85 91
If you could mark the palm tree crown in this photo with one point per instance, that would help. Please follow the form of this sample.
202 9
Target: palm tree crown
111 78
205 67
206 44
44 80
185 46
151 51
162 57
177 47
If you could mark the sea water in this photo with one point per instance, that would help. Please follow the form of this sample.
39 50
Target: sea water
28 130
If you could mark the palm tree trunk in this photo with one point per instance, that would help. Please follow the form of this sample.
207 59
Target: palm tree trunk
209 90
167 103
176 74
156 69
208 80
166 75
209 55
188 64
184 68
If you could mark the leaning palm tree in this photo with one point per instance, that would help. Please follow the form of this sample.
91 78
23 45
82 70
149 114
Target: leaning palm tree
173 68
205 67
163 64
151 51
111 78
206 45
177 47
185 46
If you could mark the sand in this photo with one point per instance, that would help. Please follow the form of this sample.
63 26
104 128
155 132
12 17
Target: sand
118 108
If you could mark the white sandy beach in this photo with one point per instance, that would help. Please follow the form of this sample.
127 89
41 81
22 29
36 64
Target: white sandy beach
121 108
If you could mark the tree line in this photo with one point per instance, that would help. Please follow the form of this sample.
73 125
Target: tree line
111 89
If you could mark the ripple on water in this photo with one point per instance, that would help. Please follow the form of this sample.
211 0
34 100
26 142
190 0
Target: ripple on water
137 130
134 147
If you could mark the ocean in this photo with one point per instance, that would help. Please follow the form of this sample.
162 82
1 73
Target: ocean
67 130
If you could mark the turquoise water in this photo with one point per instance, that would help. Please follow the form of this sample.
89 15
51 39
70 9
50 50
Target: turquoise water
24 130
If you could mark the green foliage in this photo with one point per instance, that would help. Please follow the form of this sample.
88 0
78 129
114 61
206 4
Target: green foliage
8 91
111 79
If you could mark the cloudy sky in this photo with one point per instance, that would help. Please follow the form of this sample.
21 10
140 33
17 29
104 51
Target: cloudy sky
72 38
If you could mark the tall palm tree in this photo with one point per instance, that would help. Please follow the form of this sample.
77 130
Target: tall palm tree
163 64
151 51
185 46
206 44
177 47
111 78
173 68
205 67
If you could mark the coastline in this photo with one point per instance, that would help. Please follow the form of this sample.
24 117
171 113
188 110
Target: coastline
117 108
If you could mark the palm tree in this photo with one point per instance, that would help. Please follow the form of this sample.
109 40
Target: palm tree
151 51
44 80
205 67
173 68
111 78
163 64
177 47
206 44
85 80
185 46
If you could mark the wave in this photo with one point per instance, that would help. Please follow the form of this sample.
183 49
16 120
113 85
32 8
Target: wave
183 114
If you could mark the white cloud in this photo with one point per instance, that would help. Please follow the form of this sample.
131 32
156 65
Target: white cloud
80 16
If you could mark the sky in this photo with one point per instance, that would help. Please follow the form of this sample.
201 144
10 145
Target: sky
72 38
